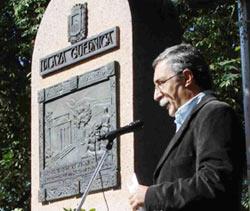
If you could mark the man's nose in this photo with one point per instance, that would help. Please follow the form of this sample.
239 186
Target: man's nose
157 94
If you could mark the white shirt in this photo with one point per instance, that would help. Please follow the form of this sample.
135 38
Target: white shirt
182 113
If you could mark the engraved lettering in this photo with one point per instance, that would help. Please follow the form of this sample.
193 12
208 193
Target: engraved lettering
53 61
74 54
44 65
85 48
107 40
91 46
62 58
80 51
97 43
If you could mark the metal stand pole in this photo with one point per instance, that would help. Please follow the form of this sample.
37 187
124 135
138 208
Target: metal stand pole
244 22
98 168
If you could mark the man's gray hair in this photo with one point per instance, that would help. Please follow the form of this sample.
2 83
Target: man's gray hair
184 56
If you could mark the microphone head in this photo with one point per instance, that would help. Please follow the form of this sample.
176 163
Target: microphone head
137 124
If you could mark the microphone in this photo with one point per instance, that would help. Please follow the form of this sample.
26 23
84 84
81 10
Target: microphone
138 124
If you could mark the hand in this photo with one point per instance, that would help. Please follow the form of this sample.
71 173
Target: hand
137 199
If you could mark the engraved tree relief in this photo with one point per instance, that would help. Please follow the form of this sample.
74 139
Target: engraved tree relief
100 127
80 111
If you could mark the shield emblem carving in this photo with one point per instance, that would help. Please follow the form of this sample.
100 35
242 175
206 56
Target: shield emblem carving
77 23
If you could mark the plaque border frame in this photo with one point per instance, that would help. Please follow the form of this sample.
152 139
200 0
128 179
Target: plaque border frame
74 84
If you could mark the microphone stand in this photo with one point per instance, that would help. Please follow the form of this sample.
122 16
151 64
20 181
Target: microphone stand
97 170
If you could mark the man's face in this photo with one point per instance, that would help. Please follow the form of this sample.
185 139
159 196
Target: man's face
169 88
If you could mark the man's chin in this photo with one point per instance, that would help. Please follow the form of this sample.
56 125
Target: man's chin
170 112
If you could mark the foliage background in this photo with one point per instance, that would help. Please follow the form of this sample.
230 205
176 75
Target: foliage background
208 25
214 30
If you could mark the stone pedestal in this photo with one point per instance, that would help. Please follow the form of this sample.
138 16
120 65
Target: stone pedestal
99 81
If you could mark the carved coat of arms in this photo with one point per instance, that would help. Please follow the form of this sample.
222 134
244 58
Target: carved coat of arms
77 23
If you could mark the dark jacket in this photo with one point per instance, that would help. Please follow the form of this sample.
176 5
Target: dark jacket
201 168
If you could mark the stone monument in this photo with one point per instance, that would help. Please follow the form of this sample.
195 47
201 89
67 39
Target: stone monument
91 74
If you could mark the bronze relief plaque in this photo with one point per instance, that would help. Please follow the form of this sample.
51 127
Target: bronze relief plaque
72 116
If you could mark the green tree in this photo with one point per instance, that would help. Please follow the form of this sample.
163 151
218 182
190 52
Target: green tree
214 30
19 22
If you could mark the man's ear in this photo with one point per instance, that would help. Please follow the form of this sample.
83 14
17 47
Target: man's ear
188 77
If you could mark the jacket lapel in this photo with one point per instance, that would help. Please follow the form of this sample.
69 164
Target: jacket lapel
177 137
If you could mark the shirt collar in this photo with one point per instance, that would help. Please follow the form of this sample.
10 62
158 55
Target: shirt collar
183 112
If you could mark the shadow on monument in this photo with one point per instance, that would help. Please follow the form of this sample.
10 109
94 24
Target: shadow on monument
155 27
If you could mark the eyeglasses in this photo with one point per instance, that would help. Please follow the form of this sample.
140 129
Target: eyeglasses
159 84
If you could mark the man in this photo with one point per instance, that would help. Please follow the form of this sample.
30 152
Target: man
201 169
